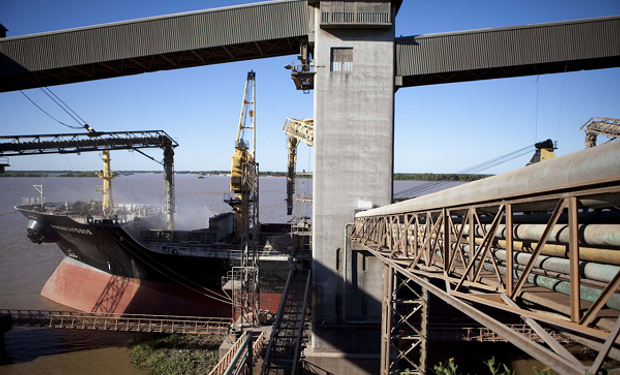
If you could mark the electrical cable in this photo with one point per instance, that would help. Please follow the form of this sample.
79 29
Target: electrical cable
66 105
557 137
148 156
417 190
536 122
61 107
50 116
473 169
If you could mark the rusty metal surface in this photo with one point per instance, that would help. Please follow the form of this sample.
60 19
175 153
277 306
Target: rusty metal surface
434 244
119 322
83 142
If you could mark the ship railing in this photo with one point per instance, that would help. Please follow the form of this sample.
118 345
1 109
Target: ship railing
227 252
119 322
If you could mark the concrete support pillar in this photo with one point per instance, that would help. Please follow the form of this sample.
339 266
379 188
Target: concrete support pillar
169 185
353 169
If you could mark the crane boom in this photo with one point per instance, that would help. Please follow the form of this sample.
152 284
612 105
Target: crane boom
296 130
244 170
244 184
596 126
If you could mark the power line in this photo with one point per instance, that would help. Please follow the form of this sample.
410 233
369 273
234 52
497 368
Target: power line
561 102
66 105
50 116
473 169
61 107
536 126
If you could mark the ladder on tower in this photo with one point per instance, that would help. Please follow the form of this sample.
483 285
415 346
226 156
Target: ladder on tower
286 342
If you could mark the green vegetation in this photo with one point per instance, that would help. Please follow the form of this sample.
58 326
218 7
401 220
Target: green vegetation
449 367
177 354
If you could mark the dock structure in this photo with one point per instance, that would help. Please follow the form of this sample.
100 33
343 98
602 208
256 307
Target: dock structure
4 163
118 322
349 56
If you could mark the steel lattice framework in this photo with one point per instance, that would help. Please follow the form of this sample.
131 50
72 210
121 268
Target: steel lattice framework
435 246
75 143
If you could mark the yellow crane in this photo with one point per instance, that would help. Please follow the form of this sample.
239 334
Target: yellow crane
106 175
244 170
297 130
244 184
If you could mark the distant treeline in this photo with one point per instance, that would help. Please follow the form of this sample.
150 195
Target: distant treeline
397 176
439 177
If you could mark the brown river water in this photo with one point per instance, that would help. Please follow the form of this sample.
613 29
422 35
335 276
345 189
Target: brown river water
25 267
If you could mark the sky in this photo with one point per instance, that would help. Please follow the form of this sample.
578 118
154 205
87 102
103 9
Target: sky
440 128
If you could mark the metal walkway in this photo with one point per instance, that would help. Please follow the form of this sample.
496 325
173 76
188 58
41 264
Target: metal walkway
75 143
516 244
119 322
205 37
284 349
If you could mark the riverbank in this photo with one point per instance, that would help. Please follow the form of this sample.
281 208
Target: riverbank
463 177
177 354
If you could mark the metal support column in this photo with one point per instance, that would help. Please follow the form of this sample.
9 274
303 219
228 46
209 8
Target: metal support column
107 176
404 325
169 185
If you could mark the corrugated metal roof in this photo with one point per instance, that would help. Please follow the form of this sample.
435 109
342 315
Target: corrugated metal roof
506 47
154 36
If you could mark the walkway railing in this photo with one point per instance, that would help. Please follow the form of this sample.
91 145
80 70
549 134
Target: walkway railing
514 245
239 357
119 322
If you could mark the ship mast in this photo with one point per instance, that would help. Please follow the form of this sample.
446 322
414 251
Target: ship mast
106 175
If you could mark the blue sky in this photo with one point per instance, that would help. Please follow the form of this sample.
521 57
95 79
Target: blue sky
442 128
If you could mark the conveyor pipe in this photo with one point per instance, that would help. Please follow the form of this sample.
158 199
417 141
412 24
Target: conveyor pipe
587 293
586 253
590 234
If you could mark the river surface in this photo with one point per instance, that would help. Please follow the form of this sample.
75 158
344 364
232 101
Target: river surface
25 266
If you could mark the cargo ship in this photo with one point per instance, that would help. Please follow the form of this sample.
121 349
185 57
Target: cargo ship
124 258
123 261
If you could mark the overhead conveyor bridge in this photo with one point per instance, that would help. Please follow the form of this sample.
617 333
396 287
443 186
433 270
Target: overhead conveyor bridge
506 52
502 243
75 143
145 45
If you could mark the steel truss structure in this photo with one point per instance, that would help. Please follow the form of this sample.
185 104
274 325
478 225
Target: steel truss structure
76 143
452 252
404 324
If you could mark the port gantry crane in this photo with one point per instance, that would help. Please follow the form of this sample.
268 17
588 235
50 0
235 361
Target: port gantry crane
244 185
596 126
296 130
76 143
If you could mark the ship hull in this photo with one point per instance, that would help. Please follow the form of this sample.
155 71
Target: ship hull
107 270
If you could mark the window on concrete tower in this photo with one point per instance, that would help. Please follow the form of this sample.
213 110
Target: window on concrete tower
342 60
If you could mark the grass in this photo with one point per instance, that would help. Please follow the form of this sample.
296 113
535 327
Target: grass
177 354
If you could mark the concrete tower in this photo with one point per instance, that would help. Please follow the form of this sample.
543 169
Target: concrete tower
354 125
